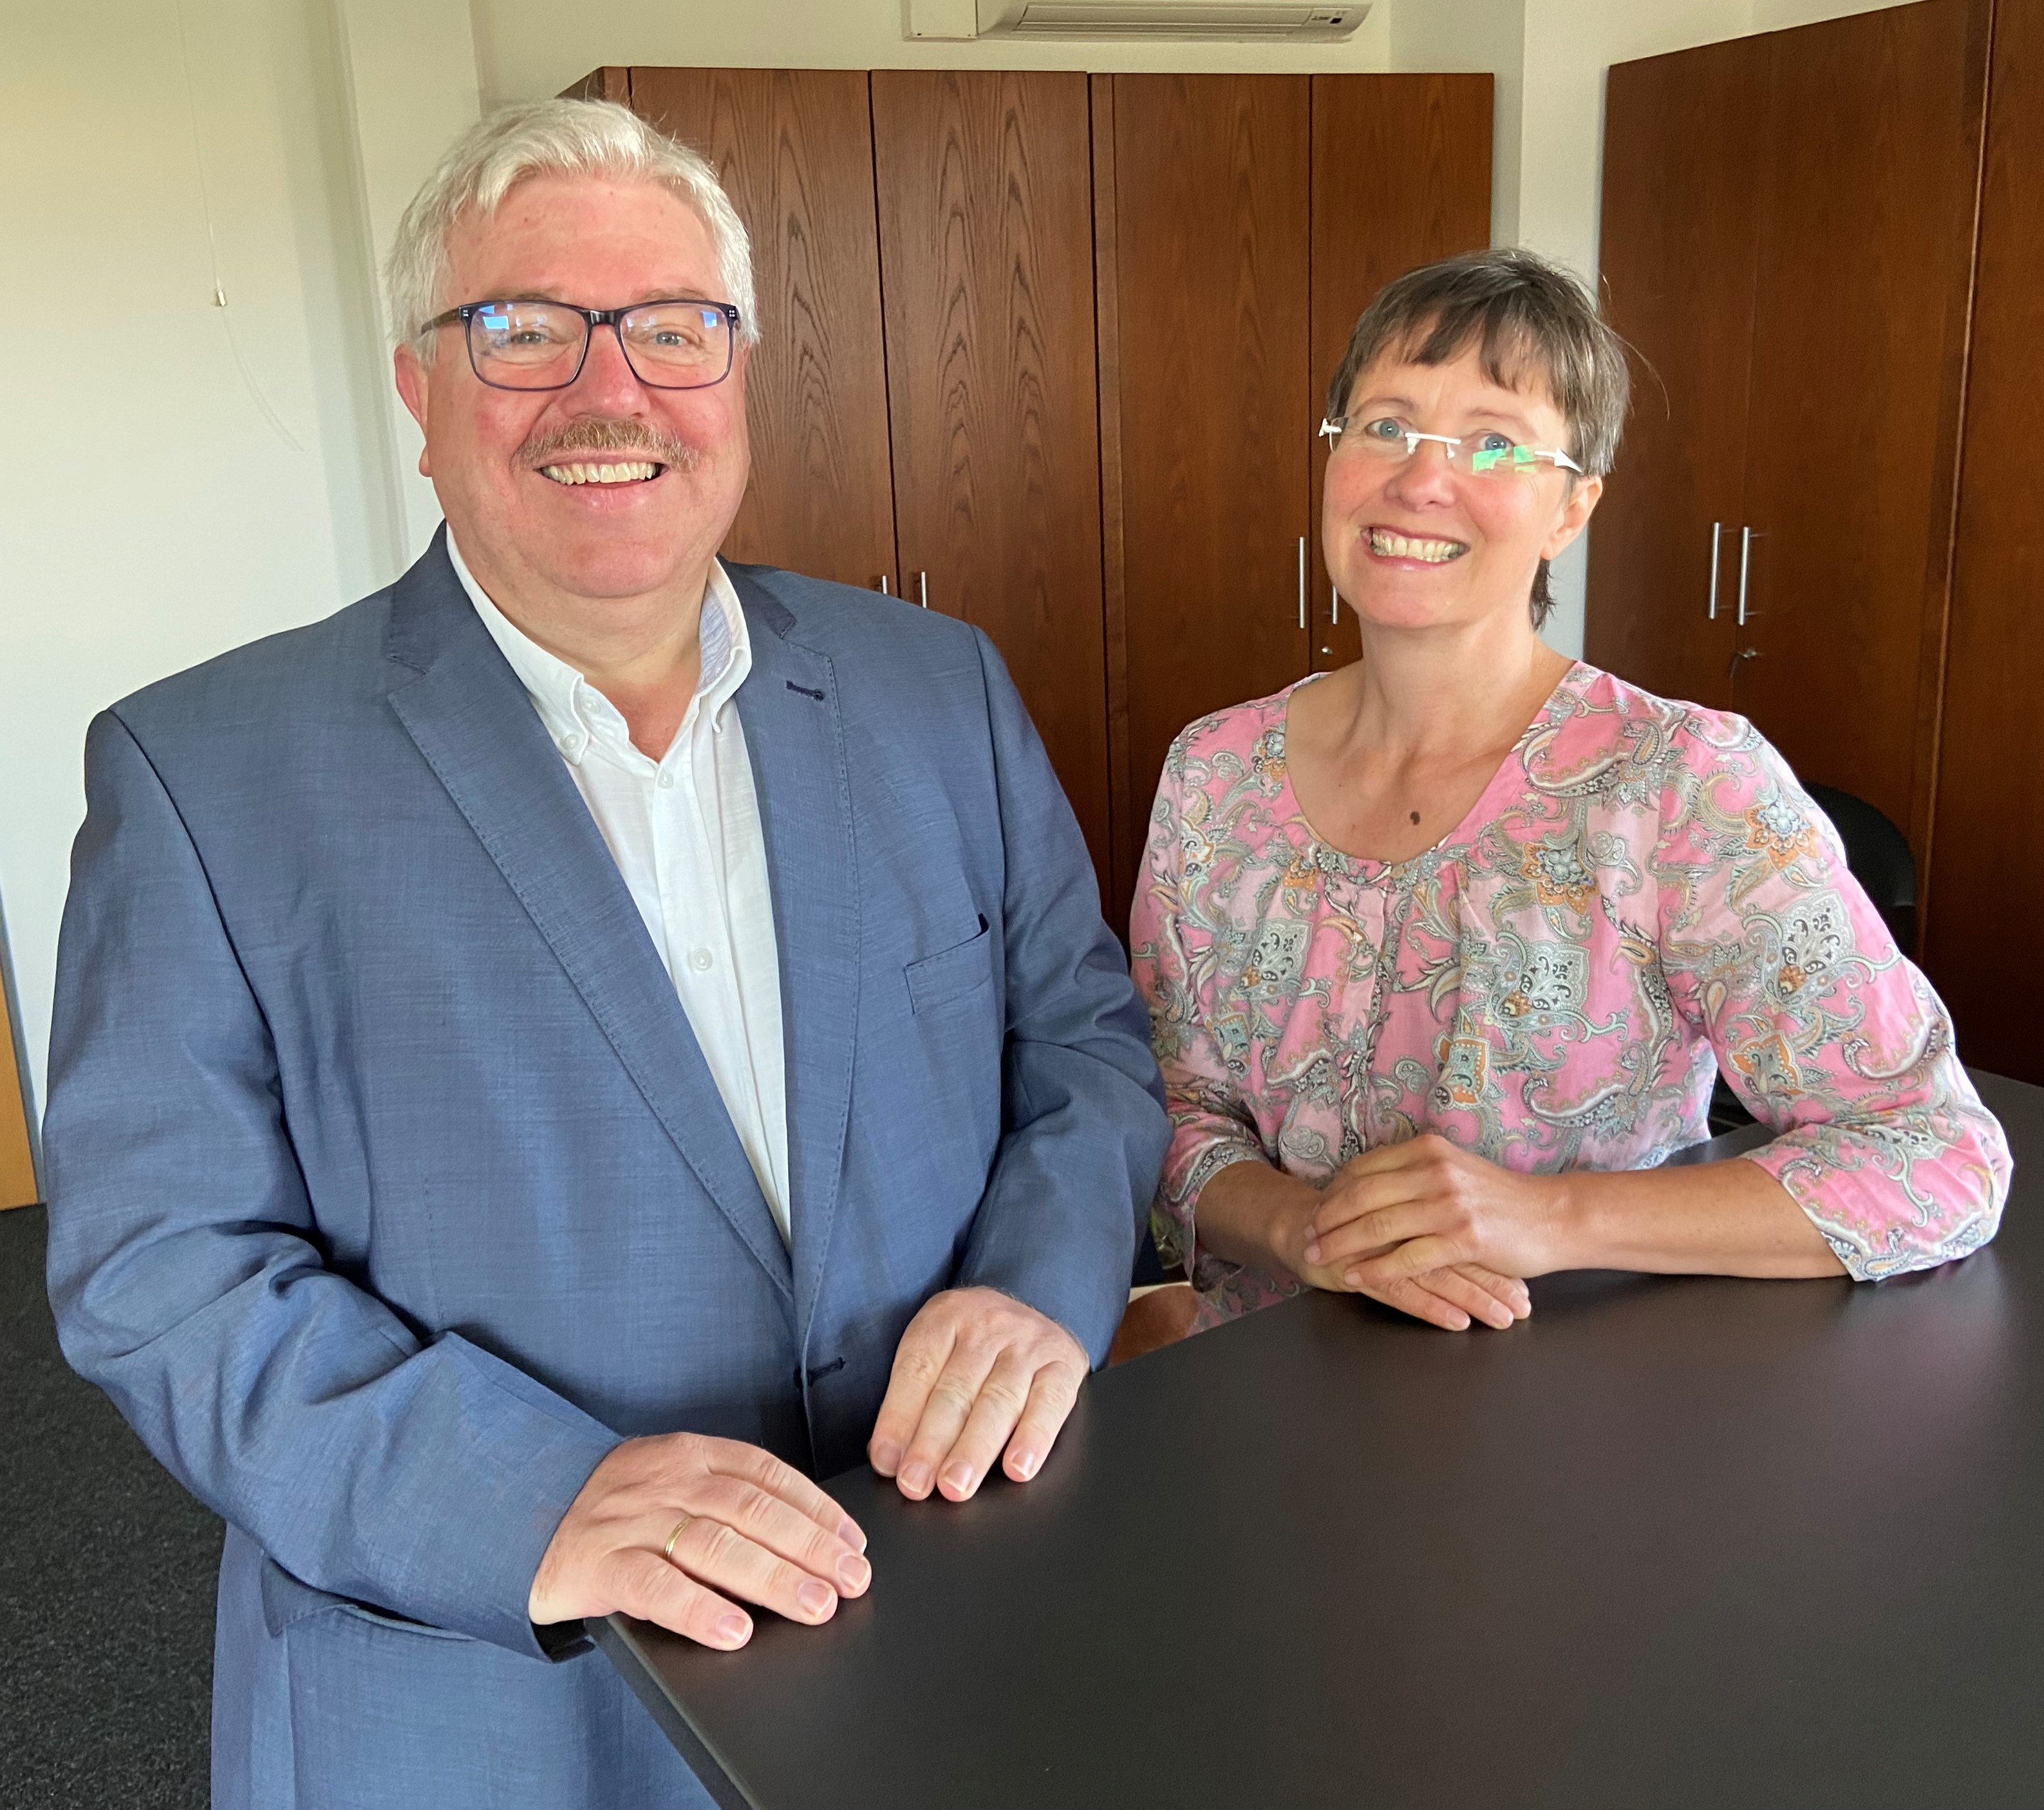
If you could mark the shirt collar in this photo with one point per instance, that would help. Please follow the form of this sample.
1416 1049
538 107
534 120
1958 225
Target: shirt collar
568 704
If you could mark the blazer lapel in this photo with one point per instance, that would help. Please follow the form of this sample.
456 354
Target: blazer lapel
794 734
470 718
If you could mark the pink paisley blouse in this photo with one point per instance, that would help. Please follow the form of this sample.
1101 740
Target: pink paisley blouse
1643 893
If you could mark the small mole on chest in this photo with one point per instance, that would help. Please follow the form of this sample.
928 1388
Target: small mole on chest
1415 816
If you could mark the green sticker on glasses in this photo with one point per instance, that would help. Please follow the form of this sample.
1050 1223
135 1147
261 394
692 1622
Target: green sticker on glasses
1489 458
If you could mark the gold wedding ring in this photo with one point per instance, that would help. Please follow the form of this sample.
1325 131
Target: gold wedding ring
667 1551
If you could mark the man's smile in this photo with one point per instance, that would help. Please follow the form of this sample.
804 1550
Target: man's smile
583 471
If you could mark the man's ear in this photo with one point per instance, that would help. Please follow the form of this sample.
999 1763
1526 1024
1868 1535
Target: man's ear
1575 515
411 379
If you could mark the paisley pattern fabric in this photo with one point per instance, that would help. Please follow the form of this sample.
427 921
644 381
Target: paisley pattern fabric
1643 893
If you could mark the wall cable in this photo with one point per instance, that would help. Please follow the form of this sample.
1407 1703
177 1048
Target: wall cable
255 389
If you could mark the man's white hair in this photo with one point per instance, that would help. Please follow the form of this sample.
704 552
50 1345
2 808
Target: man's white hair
552 138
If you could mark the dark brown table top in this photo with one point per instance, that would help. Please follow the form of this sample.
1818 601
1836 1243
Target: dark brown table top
1671 1543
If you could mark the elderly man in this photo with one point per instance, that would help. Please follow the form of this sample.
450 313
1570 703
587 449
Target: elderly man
553 1054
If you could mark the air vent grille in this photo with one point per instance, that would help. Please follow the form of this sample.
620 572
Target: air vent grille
1235 19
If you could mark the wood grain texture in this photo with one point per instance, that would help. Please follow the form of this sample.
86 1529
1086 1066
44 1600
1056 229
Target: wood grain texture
794 150
1860 333
610 83
18 1168
1213 292
1684 140
1127 815
1400 178
1987 872
986 243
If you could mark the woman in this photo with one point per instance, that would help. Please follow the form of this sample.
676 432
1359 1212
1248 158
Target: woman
1443 950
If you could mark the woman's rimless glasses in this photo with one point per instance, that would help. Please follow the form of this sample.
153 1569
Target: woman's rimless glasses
1488 454
680 344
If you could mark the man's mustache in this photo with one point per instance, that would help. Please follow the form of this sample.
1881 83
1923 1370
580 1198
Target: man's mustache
596 433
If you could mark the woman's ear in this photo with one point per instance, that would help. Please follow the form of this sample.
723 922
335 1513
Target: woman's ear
1575 516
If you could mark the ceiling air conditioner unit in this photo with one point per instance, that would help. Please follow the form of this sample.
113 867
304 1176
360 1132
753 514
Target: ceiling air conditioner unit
1276 21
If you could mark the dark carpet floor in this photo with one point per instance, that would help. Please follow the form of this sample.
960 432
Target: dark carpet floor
106 1582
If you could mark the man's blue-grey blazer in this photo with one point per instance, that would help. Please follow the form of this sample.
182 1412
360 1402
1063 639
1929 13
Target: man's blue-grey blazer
389 1189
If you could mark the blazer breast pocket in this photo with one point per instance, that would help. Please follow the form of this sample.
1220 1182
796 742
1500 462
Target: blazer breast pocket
951 975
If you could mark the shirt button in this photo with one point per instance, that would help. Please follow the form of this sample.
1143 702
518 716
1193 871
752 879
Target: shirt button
572 745
667 780
699 959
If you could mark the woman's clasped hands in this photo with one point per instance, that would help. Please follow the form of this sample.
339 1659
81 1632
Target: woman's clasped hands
1433 1231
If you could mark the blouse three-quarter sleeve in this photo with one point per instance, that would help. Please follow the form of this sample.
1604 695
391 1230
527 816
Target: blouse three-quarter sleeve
1211 1126
1830 1037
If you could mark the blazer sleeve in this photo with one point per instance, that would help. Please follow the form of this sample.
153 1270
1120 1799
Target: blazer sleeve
422 1475
1082 1117
1828 1033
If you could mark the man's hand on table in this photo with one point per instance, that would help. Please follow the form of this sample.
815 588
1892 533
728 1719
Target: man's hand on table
977 1373
756 1531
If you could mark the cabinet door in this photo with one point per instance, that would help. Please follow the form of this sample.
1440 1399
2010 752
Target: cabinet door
1987 868
1683 142
1864 290
18 1170
1401 177
985 192
794 150
1213 397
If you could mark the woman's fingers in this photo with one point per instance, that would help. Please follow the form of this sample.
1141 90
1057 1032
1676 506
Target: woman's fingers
1510 1289
1372 1232
1451 1298
1408 1297
1456 1286
1350 1197
1415 1257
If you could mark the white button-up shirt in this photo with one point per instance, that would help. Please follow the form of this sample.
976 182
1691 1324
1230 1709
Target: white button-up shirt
685 832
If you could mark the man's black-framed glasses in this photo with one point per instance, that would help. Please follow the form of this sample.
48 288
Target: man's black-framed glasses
683 343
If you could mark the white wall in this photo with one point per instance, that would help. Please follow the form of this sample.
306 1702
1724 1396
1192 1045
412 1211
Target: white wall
187 476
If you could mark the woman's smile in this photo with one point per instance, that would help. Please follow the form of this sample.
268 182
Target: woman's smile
1388 543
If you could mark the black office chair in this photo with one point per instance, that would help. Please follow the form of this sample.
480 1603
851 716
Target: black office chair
1878 854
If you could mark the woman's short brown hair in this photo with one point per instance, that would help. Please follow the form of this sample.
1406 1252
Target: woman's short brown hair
1530 318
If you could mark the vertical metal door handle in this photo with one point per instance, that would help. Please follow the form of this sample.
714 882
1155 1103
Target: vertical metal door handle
1745 564
1717 532
1334 603
922 589
1302 581
884 591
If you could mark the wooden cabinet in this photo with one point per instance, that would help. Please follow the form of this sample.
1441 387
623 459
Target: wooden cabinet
1211 300
1048 352
985 214
1252 220
1681 243
1401 177
1864 266
794 148
1982 907
1824 245
1787 234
